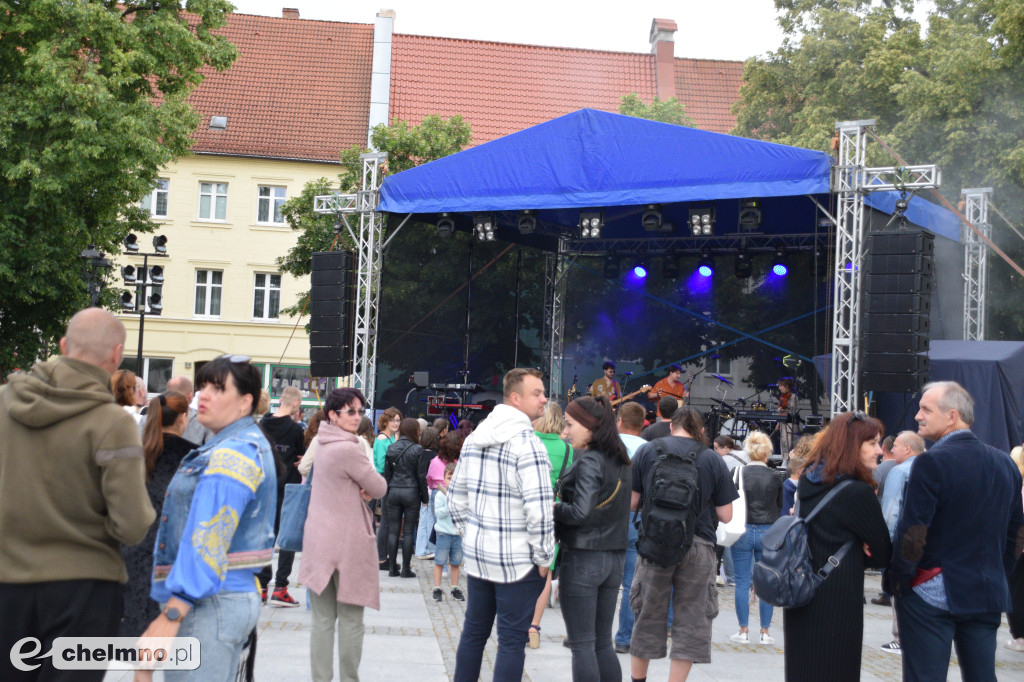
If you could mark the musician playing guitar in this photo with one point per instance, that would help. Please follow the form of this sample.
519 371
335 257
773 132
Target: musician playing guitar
788 405
607 385
670 386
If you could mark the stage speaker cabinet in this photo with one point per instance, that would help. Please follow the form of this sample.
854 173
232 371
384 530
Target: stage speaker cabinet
897 307
331 313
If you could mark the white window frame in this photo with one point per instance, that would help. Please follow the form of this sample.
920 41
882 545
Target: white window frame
268 290
209 286
214 194
162 187
273 202
717 369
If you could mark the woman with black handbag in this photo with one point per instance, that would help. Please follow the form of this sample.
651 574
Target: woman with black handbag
591 522
407 490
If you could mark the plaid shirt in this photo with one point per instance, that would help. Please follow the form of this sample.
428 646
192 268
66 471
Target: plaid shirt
501 500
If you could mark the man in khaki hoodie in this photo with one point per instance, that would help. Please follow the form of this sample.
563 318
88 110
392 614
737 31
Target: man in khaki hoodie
72 488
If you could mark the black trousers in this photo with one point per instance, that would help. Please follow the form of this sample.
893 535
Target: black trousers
1016 617
402 503
46 611
285 559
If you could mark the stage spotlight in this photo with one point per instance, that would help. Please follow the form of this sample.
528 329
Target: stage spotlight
750 215
670 266
611 267
484 226
702 221
527 221
743 266
640 270
706 265
652 220
780 265
445 226
591 223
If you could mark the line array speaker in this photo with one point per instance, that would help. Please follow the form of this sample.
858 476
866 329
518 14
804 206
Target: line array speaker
332 299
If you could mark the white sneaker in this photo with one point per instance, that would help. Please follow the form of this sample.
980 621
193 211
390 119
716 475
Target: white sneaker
1015 644
767 639
740 637
720 581
893 647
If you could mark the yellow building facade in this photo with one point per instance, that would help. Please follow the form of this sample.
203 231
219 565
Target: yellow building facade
222 290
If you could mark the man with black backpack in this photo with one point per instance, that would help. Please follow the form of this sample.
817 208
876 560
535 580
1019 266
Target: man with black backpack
682 490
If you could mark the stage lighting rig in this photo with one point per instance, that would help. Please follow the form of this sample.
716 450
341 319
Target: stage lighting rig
591 223
640 270
702 221
743 267
445 226
750 215
527 221
706 265
160 243
484 227
131 243
652 220
780 264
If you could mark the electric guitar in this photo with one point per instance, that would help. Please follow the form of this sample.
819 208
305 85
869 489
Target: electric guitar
642 389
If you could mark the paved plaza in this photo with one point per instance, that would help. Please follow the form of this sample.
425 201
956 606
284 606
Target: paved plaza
413 637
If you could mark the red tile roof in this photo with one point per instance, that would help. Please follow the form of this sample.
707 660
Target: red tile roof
500 88
300 89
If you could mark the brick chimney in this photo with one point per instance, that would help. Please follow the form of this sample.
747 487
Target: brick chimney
663 49
290 13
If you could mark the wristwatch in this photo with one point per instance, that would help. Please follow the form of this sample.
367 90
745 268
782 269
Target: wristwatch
173 614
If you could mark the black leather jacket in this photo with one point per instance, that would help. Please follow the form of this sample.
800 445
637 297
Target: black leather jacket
763 487
402 467
590 481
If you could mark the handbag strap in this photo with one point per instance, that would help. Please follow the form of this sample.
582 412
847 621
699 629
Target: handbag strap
824 501
611 497
564 460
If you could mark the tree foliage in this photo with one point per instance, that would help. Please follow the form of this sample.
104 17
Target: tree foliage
92 105
950 95
668 111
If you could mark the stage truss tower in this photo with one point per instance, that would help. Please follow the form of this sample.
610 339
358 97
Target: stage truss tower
370 251
556 270
975 261
851 182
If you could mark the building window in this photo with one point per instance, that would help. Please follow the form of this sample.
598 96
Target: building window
267 299
156 201
271 199
156 372
721 366
208 290
213 200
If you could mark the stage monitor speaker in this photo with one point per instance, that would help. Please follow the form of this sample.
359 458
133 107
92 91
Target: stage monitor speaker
331 313
896 312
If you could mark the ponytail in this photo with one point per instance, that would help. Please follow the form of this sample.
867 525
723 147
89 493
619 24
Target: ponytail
163 411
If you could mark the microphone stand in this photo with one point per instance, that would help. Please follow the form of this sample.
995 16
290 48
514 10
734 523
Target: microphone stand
689 382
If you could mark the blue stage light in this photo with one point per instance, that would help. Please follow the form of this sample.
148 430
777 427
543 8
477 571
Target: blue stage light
780 269
640 270
780 266
705 266
705 271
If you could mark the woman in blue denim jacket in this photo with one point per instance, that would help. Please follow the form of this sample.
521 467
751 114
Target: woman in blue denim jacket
217 528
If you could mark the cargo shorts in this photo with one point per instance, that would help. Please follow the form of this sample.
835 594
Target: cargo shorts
694 606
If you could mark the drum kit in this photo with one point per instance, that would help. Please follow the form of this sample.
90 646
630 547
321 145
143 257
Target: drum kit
737 420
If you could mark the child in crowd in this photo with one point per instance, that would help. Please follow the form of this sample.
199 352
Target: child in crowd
448 548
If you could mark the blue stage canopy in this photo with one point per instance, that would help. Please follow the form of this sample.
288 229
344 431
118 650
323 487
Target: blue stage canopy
596 159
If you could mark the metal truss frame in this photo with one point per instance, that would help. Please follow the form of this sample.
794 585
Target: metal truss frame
975 261
852 180
728 243
556 268
370 249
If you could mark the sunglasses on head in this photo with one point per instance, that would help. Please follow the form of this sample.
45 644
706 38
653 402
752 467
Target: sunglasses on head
859 416
237 359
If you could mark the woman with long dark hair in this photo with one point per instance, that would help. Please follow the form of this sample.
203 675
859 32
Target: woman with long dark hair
591 522
163 448
365 433
823 638
407 490
387 427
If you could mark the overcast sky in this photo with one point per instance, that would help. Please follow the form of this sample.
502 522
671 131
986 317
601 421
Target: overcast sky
721 29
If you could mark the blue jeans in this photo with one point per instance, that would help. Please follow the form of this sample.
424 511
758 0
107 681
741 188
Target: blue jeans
222 623
625 631
927 632
513 604
745 552
588 585
423 543
730 568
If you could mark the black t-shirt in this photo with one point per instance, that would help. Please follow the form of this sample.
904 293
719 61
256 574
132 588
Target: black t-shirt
656 430
716 486
289 443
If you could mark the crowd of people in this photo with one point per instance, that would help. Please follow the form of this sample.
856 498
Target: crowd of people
158 517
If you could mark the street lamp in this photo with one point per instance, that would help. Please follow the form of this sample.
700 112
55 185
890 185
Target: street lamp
94 262
140 278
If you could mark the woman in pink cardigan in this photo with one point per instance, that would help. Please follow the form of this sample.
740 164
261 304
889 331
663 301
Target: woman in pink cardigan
339 553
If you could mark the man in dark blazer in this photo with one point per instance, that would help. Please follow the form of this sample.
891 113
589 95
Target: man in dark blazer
961 530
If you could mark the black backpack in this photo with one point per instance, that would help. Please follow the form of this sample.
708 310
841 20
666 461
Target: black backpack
669 507
785 575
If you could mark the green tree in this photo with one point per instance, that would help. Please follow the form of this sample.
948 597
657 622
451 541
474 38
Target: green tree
92 105
949 96
668 111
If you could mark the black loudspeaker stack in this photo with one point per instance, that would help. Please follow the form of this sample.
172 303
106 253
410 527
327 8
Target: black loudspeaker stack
332 301
897 310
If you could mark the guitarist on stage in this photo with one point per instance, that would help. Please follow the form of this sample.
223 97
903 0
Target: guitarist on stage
788 405
607 385
670 386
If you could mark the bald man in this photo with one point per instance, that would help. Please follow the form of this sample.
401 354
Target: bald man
194 432
72 488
